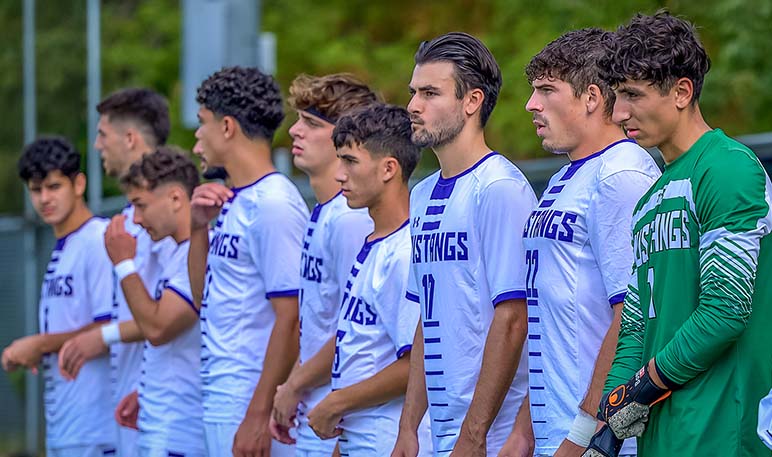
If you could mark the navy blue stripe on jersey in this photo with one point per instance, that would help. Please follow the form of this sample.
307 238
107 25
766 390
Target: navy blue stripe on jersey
109 452
432 356
510 295
282 293
403 350
174 454
431 324
315 214
434 210
310 232
546 203
442 191
236 190
412 297
182 295
618 298
556 189
362 256
103 317
427 226
576 165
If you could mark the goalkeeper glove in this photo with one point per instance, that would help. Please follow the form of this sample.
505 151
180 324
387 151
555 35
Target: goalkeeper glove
603 444
626 408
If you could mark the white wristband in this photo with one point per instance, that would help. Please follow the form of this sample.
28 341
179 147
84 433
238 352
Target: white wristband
582 429
111 333
124 268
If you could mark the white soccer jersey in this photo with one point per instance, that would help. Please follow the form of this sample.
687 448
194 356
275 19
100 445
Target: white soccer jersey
253 256
170 411
76 291
375 327
764 429
126 358
334 234
578 253
467 245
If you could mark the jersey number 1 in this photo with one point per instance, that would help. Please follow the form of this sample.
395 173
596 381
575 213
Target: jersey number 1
428 284
650 280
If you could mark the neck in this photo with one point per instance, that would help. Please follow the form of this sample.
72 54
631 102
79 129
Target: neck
690 128
134 156
248 161
182 232
597 140
79 215
463 152
324 185
391 211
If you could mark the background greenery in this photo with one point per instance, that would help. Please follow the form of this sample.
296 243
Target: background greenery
374 39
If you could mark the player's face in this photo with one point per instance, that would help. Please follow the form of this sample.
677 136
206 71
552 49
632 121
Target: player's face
648 116
154 210
112 143
359 177
437 115
557 114
209 138
55 196
312 147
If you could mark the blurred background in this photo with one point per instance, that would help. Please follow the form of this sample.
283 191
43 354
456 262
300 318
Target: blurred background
170 45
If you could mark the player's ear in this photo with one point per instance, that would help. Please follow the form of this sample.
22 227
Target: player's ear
79 184
683 91
473 101
229 127
390 168
593 98
177 196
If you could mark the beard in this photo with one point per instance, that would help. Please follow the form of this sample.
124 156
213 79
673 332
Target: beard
446 131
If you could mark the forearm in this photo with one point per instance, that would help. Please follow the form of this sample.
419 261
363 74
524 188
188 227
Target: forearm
501 356
197 258
52 342
628 357
602 364
143 308
415 397
522 424
387 384
314 372
130 332
284 342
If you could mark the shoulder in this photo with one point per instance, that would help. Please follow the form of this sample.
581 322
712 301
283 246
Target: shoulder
629 158
497 172
425 185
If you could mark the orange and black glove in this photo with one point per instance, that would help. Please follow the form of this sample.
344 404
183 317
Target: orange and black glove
603 444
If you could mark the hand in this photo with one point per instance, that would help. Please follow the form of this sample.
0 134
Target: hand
24 352
280 433
119 244
406 445
569 449
285 405
325 418
626 408
127 411
253 438
603 444
519 445
470 444
206 202
78 350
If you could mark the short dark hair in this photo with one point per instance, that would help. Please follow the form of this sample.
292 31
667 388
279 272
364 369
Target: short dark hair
384 130
247 95
330 95
145 108
47 154
659 49
475 67
573 58
169 164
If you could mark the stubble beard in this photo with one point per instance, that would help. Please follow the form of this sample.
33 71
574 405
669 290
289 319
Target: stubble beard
445 133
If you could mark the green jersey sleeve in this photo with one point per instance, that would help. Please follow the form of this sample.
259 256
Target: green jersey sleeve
731 204
627 359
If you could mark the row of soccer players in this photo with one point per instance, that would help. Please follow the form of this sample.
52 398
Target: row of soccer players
466 296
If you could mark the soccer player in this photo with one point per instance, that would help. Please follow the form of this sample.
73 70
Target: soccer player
246 279
578 248
75 296
695 325
132 122
332 238
764 429
169 395
376 323
467 274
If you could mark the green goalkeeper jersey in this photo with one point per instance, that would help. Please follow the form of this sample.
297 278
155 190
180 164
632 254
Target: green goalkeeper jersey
700 301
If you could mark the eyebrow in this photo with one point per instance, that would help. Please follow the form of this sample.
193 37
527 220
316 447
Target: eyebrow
423 88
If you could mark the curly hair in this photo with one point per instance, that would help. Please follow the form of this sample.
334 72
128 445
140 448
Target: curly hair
384 130
573 58
169 164
246 94
330 95
47 154
659 49
144 108
475 67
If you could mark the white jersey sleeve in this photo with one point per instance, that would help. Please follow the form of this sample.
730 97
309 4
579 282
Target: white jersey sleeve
348 233
99 282
608 227
504 207
765 420
275 240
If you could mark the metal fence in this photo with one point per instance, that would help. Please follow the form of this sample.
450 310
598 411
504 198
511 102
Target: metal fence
24 251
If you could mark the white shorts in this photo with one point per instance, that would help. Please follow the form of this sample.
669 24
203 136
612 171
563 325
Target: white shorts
165 452
127 442
299 453
310 445
219 441
96 450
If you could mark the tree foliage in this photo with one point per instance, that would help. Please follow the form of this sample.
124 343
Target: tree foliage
373 39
